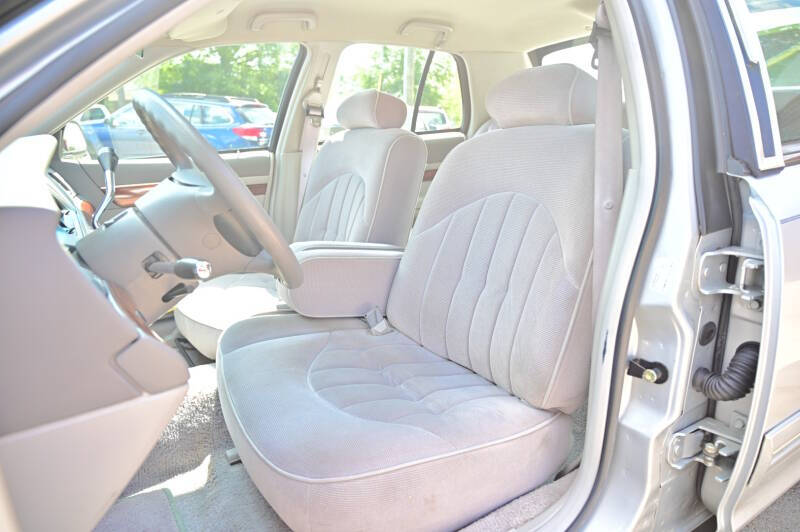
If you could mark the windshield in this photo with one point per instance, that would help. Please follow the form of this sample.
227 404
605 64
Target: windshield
257 114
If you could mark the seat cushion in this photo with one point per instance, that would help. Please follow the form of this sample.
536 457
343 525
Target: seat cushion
343 430
215 304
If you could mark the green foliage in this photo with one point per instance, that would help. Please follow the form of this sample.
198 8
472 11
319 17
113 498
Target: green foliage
781 47
385 71
443 88
252 70
261 71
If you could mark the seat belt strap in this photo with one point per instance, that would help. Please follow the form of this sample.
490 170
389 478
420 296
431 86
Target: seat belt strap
314 113
608 162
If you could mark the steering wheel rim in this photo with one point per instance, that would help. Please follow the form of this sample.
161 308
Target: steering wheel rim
186 148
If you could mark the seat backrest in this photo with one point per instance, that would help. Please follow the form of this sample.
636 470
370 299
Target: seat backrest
496 274
487 126
364 183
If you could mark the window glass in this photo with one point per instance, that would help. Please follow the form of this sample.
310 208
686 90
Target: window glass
441 104
229 93
580 56
214 115
778 25
95 112
397 70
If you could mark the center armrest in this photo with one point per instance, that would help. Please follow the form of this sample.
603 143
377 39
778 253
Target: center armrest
342 279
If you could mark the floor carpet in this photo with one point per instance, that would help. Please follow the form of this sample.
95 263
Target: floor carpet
146 512
524 508
189 468
783 514
187 485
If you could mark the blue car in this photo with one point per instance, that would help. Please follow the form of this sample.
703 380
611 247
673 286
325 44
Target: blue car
227 122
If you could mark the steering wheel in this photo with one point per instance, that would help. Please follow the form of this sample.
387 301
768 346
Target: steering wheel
188 150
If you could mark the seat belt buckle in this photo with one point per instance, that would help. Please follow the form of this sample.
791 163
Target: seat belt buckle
315 112
377 323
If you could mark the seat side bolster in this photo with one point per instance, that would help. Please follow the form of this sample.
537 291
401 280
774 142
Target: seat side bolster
399 186
278 325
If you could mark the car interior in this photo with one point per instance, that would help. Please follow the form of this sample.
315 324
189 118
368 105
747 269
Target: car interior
363 320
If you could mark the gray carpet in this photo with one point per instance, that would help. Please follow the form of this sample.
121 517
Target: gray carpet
524 508
146 512
784 514
186 483
578 439
189 463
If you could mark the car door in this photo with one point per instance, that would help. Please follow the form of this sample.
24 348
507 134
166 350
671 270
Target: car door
205 78
756 46
441 112
128 135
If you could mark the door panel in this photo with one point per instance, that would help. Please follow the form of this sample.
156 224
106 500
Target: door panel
767 464
762 37
439 145
751 61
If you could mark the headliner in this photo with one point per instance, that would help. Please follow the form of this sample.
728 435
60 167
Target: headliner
478 25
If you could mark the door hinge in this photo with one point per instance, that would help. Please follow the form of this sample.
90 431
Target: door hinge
749 278
709 442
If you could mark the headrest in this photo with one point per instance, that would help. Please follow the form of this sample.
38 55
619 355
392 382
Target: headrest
371 108
558 95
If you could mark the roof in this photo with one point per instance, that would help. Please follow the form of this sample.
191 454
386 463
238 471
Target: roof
477 25
233 100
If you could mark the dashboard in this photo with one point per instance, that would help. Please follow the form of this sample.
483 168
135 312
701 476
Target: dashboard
73 224
78 372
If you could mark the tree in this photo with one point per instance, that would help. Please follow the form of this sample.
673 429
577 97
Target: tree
385 71
252 70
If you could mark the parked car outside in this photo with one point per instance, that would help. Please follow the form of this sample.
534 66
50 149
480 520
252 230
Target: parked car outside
95 113
226 122
429 118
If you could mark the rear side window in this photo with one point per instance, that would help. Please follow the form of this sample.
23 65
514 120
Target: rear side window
777 24
431 83
231 94
442 103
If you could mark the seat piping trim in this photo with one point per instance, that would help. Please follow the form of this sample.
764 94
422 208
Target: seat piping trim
300 478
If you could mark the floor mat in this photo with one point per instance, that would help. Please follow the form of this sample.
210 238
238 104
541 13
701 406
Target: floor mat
146 512
189 461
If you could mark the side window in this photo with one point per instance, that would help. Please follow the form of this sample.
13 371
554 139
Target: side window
441 106
778 28
577 52
230 93
400 71
215 115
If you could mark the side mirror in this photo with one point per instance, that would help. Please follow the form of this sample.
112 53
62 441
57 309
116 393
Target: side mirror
73 141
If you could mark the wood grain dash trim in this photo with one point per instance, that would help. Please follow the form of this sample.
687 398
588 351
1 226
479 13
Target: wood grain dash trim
127 195
258 189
